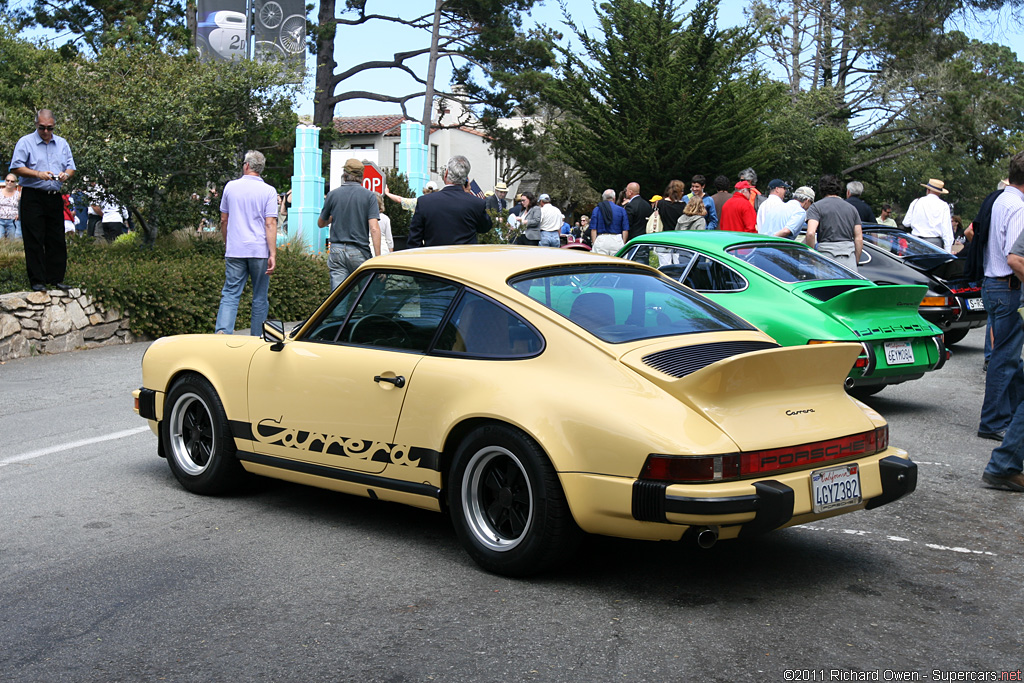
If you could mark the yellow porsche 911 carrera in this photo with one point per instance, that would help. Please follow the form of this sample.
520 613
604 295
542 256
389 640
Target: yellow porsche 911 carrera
532 394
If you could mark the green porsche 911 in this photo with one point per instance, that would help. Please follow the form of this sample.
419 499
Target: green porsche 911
800 296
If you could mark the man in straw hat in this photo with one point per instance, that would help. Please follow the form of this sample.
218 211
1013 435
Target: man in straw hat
496 202
928 217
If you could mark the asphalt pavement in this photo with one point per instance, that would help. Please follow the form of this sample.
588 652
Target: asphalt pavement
110 571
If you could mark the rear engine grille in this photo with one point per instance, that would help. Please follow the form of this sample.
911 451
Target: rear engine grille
689 359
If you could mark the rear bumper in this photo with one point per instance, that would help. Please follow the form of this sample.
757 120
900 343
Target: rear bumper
772 504
631 508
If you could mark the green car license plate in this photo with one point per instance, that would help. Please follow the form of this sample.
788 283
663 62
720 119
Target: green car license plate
898 353
835 487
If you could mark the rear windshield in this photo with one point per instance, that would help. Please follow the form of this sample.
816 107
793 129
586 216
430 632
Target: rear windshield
626 305
901 244
791 263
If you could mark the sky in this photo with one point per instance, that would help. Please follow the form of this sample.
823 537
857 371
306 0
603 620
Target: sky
380 40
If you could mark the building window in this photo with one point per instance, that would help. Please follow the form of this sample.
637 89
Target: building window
433 158
395 163
367 145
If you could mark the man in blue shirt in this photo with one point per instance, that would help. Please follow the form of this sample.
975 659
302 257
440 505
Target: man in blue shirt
44 162
609 225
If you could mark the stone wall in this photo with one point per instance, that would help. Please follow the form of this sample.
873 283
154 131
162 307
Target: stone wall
56 321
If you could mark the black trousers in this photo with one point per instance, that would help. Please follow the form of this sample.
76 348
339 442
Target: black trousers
42 230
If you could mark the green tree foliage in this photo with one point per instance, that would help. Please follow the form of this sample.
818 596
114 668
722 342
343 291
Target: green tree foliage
153 129
398 184
103 23
21 93
657 96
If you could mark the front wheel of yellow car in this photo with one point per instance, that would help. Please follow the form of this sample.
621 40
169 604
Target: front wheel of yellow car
507 505
197 439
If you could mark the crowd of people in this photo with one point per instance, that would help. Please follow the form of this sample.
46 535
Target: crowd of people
34 206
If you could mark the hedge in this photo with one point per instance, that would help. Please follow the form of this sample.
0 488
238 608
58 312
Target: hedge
174 287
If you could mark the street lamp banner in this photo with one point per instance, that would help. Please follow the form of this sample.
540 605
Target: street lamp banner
222 30
280 28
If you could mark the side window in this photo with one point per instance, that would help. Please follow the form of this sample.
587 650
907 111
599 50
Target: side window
399 311
711 276
480 327
672 261
328 328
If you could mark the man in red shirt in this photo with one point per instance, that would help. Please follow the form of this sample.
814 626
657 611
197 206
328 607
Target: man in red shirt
737 213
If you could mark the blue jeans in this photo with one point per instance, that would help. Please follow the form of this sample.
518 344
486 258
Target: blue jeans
10 229
549 238
1004 381
341 261
236 272
1008 459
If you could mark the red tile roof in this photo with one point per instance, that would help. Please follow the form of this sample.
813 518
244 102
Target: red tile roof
363 125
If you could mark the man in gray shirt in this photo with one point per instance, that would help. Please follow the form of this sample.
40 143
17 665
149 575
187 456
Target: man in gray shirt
352 212
834 225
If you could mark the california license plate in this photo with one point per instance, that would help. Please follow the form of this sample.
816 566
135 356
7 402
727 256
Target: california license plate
975 305
898 353
835 487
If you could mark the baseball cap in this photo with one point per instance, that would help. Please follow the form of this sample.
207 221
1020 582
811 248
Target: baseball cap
743 185
544 198
778 183
805 192
354 166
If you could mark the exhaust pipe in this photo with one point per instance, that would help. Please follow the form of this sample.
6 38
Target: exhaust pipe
848 383
707 537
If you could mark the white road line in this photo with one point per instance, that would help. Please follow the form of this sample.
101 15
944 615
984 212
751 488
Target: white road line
896 539
74 444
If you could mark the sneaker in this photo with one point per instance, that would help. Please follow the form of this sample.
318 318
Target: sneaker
994 436
1011 482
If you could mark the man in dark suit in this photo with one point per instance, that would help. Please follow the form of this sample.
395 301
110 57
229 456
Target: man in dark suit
638 210
451 216
496 202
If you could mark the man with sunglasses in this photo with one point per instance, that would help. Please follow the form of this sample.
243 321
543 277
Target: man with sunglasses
44 162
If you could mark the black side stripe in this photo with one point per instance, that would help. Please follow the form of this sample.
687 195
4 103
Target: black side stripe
241 430
373 480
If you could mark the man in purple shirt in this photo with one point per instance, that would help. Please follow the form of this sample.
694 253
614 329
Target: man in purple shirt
44 161
248 222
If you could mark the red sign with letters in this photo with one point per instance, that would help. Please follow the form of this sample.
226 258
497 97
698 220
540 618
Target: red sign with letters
373 179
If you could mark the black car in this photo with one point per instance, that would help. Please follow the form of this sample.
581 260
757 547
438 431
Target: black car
892 256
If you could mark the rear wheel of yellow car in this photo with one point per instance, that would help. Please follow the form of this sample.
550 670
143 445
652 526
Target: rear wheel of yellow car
507 504
197 439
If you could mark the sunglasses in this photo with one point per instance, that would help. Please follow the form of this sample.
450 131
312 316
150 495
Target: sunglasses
45 127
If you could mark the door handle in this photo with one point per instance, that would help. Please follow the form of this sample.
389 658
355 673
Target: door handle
397 381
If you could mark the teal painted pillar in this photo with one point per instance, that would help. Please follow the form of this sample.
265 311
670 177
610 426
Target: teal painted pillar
307 189
412 156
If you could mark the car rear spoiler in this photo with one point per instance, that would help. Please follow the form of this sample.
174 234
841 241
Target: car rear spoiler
891 305
766 399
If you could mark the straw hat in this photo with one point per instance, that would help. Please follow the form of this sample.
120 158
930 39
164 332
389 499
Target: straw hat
936 185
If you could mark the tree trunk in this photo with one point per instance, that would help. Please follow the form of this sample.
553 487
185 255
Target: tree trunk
428 97
191 21
323 112
796 76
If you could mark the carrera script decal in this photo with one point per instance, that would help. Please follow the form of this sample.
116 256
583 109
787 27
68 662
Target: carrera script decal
272 433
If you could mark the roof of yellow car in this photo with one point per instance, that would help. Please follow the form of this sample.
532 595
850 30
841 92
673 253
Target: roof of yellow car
490 263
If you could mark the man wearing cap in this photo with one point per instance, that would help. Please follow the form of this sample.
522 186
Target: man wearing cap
737 214
775 211
834 226
928 217
854 189
496 202
802 199
44 162
353 214
451 215
550 222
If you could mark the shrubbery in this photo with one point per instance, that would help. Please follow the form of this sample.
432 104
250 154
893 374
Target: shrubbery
174 288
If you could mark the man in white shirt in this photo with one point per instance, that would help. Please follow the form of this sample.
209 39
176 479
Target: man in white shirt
774 212
928 217
1001 293
550 222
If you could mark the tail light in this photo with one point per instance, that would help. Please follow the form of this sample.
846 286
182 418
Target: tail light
938 301
679 469
863 360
